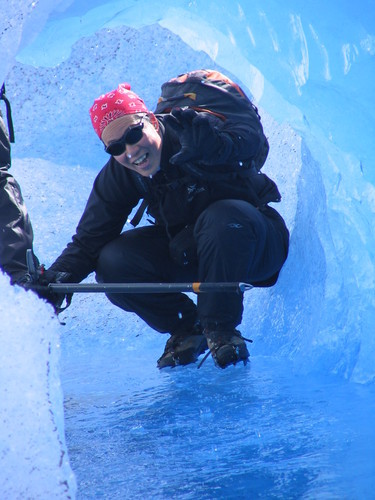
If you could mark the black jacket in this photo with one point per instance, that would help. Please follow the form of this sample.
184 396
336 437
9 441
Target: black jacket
175 197
16 234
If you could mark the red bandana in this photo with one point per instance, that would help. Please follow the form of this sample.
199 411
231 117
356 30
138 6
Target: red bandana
110 106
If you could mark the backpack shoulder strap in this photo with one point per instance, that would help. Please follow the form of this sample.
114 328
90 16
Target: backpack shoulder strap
142 187
4 98
139 213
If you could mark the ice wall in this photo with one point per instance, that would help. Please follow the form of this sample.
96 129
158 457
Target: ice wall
322 311
319 56
33 455
20 23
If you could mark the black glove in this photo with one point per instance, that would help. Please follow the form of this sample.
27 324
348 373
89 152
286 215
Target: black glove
40 284
54 298
199 136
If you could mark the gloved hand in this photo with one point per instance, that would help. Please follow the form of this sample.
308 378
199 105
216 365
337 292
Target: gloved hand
199 136
56 299
40 287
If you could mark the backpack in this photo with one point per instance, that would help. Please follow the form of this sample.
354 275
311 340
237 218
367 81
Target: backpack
212 92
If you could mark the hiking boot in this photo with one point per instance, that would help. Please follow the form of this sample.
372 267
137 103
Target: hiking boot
182 350
227 347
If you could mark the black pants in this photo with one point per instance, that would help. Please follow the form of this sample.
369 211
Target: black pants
234 241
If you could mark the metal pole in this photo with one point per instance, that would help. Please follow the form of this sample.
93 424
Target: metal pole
148 287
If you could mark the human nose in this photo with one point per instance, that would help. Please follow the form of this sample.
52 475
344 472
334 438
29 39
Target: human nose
131 150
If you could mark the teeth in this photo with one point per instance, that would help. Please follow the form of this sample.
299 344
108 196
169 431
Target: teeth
140 160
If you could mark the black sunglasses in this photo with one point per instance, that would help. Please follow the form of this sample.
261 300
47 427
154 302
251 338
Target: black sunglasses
132 135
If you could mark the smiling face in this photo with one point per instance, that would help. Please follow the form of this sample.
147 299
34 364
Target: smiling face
142 157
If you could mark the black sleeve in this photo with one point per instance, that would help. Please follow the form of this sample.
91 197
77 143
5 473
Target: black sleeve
112 198
16 234
234 143
244 139
209 141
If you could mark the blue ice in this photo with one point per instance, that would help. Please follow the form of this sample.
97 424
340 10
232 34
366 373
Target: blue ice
297 421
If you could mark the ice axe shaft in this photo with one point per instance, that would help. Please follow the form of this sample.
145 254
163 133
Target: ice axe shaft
149 287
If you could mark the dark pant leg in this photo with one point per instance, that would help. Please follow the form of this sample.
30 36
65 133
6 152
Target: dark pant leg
139 256
236 242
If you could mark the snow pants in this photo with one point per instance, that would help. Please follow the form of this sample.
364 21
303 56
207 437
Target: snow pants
16 234
234 242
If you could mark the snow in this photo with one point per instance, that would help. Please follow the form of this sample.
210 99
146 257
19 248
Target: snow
297 422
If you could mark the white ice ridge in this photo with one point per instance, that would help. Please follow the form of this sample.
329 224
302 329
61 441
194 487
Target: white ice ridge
33 456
